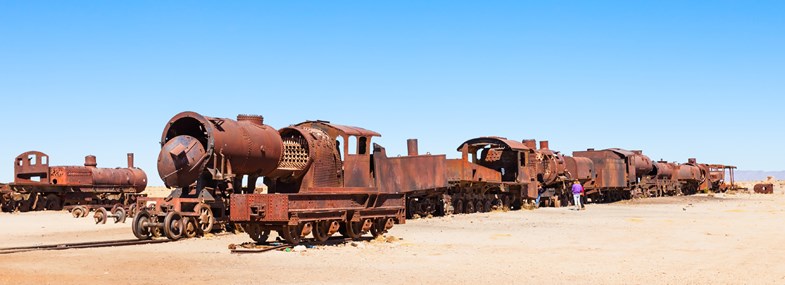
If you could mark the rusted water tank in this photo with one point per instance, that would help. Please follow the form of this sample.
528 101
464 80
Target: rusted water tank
581 168
192 143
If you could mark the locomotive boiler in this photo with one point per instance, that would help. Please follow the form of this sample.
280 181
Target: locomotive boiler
691 175
663 180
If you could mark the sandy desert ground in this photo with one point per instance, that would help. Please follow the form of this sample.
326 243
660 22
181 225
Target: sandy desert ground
725 239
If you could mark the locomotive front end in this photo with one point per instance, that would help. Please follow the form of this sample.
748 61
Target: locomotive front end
194 146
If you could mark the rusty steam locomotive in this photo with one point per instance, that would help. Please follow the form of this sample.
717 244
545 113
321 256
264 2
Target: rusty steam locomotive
320 178
495 172
79 189
313 185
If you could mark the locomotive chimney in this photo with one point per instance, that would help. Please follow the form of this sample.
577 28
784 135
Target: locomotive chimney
89 161
411 146
532 144
253 119
692 160
130 160
544 145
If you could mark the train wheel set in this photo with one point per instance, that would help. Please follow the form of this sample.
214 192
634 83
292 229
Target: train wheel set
117 212
186 220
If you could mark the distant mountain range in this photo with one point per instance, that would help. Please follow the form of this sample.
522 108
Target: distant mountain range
752 175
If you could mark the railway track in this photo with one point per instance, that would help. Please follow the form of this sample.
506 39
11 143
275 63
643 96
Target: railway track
96 244
261 248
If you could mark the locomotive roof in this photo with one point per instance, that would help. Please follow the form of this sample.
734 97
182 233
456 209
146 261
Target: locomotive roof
622 152
514 145
344 130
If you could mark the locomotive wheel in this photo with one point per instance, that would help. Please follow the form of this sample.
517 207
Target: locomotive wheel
480 206
138 228
25 205
488 205
131 210
53 202
470 207
378 228
353 229
411 209
458 207
100 215
190 227
77 212
38 203
173 225
9 205
205 219
291 234
119 215
321 231
441 207
256 233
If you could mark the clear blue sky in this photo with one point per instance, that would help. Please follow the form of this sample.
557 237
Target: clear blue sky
677 79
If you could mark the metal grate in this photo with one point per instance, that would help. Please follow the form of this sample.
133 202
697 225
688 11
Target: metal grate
295 154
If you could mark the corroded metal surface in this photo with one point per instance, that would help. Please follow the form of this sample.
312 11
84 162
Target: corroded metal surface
620 174
580 168
763 188
38 186
318 176
192 143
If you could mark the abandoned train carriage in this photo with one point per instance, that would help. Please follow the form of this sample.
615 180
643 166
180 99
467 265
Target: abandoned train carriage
501 172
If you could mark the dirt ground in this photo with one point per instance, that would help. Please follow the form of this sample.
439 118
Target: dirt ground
677 240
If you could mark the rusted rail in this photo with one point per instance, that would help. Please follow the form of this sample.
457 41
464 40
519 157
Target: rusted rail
95 244
261 248
255 249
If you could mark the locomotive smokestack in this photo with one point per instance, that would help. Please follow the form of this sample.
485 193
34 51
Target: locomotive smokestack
411 146
692 160
130 160
253 119
89 161
532 144
544 145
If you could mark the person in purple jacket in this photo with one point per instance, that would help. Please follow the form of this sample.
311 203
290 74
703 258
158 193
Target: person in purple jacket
577 189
